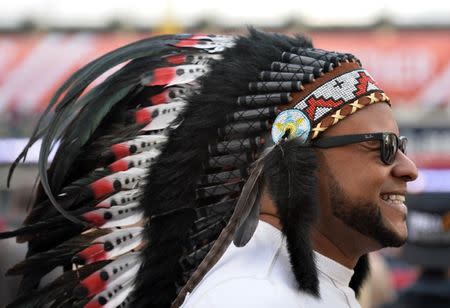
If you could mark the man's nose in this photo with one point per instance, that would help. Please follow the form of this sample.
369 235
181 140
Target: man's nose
404 167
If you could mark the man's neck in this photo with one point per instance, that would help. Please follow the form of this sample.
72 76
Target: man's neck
323 245
271 219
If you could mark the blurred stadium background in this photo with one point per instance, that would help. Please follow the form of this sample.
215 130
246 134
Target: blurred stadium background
404 44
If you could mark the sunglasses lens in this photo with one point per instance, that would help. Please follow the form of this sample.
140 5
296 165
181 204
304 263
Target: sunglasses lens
389 148
403 142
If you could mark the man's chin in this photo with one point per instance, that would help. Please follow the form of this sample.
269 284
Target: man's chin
389 237
397 242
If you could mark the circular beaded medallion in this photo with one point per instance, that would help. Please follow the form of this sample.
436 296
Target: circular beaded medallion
294 121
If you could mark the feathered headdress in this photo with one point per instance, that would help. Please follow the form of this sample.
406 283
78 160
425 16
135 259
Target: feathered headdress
152 179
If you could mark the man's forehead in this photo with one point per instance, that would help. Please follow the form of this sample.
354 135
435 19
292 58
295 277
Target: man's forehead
371 119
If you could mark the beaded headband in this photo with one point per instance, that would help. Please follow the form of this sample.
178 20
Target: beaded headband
324 102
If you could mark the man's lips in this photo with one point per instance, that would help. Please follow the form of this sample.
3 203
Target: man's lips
395 201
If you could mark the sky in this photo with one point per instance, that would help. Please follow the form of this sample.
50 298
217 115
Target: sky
93 13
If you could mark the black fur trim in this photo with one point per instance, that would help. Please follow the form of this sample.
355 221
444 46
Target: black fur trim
167 232
362 272
289 174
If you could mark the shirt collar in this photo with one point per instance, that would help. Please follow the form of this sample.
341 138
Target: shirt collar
333 269
328 267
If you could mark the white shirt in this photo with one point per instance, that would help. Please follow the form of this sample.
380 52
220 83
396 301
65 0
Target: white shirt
259 275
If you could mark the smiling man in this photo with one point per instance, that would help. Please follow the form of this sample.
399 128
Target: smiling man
275 168
362 209
362 171
362 199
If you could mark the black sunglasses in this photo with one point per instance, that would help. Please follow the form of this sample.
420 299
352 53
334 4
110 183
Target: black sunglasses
390 143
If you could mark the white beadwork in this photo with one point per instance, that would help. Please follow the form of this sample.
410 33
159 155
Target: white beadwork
342 87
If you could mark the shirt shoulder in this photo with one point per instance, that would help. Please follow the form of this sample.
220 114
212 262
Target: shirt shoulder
244 292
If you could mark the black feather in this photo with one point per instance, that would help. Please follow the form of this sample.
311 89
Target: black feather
70 107
80 174
59 288
44 242
60 255
249 200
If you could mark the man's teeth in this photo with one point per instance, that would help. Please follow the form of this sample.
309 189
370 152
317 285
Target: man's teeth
393 198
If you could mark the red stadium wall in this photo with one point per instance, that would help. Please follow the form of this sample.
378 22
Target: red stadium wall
412 66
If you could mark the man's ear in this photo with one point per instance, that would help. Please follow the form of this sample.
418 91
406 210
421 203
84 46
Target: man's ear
269 212
267 203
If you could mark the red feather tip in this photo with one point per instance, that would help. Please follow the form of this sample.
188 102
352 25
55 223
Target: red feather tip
91 254
176 59
160 98
120 165
143 116
120 150
162 76
102 187
94 218
92 285
187 43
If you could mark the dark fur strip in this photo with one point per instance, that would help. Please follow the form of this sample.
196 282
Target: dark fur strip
161 257
290 178
362 271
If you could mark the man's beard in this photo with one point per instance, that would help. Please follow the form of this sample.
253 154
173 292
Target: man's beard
363 216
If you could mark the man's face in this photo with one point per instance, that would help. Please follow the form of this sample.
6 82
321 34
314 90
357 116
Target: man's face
358 191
